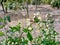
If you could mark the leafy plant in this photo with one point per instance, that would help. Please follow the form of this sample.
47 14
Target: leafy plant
46 37
55 3
46 1
1 23
1 34
47 33
16 28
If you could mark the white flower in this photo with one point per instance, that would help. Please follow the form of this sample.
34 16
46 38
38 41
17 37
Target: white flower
50 15
51 35
47 31
32 19
28 22
40 24
55 33
36 14
30 28
39 18
47 38
42 44
12 42
46 15
47 25
1 42
48 20
16 42
9 42
52 1
43 37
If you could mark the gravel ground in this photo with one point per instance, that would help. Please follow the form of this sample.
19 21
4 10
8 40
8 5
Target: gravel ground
20 17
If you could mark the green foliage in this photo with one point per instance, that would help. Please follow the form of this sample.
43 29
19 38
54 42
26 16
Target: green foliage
1 20
25 30
24 41
46 37
46 1
55 3
11 41
20 1
15 28
47 33
5 19
29 36
29 1
1 34
8 18
1 23
36 2
36 20
1 26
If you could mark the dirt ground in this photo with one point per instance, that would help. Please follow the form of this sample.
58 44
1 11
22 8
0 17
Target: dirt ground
19 15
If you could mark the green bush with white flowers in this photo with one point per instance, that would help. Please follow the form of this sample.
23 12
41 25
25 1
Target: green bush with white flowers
47 34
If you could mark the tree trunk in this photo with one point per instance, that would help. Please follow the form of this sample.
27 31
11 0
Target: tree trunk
6 10
27 9
2 6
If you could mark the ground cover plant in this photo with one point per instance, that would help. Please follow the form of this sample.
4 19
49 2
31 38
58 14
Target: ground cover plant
18 35
55 3
47 34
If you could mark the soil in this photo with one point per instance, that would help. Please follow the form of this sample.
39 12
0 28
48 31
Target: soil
19 16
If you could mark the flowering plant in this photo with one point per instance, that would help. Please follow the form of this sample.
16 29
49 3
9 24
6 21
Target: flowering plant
24 35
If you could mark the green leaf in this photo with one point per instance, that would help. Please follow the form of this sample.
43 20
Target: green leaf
25 30
15 28
20 1
44 22
36 20
2 26
29 36
1 23
25 41
52 21
8 18
1 20
5 19
1 34
43 31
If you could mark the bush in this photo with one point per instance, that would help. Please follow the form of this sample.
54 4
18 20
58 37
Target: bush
46 37
55 3
46 1
36 2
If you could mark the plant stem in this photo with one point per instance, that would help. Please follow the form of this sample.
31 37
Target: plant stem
27 9
2 6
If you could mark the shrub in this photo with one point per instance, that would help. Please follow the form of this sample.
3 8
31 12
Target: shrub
36 2
55 3
46 1
46 37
